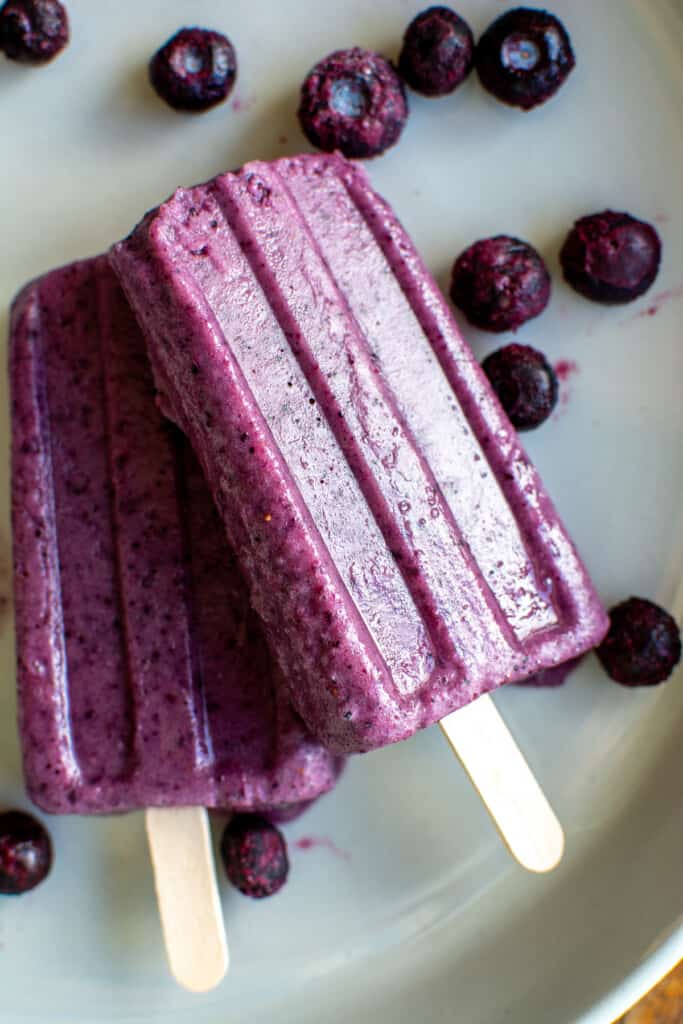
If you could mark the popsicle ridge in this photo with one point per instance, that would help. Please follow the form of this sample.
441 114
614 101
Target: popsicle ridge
270 529
44 704
147 516
570 591
143 676
348 388
390 526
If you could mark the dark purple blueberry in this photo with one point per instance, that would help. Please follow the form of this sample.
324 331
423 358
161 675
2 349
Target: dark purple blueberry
525 383
500 283
524 56
611 257
33 31
25 852
438 52
643 643
353 101
194 70
255 855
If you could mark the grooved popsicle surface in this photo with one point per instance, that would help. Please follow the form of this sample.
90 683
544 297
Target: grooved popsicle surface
397 542
143 675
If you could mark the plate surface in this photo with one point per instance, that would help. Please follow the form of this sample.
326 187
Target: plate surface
402 904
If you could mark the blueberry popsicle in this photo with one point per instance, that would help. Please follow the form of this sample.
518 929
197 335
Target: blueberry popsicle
143 676
398 544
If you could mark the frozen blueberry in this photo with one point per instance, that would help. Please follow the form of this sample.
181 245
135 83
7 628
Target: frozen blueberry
524 56
194 70
643 643
255 855
353 101
33 31
25 852
438 52
499 283
525 383
611 257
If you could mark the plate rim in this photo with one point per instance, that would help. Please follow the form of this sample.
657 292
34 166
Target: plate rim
638 982
619 996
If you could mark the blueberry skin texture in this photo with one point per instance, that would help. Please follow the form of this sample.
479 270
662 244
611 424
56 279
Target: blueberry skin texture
525 383
33 31
438 52
499 283
611 257
353 101
524 57
25 853
254 853
643 643
194 70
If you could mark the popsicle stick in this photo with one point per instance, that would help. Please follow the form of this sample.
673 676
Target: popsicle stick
187 893
504 781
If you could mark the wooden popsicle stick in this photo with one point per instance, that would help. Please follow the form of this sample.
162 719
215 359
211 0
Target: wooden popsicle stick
506 784
187 893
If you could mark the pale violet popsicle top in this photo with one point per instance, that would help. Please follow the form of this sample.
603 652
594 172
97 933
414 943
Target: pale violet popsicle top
143 675
396 540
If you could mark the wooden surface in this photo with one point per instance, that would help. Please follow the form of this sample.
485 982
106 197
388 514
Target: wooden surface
664 1005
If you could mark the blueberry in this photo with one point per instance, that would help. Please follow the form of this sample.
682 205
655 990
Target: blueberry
33 31
438 52
353 101
524 56
194 70
499 283
643 643
525 383
611 257
255 855
25 852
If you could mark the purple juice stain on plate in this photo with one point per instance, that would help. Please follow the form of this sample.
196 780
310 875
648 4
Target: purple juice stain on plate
659 300
317 842
565 370
241 106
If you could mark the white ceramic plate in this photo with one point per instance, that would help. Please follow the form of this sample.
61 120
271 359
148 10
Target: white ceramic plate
424 918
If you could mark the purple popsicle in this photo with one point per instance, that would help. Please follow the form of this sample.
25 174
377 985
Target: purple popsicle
144 679
398 544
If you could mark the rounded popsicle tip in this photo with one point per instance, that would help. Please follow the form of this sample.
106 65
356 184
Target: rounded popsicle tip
544 851
201 974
